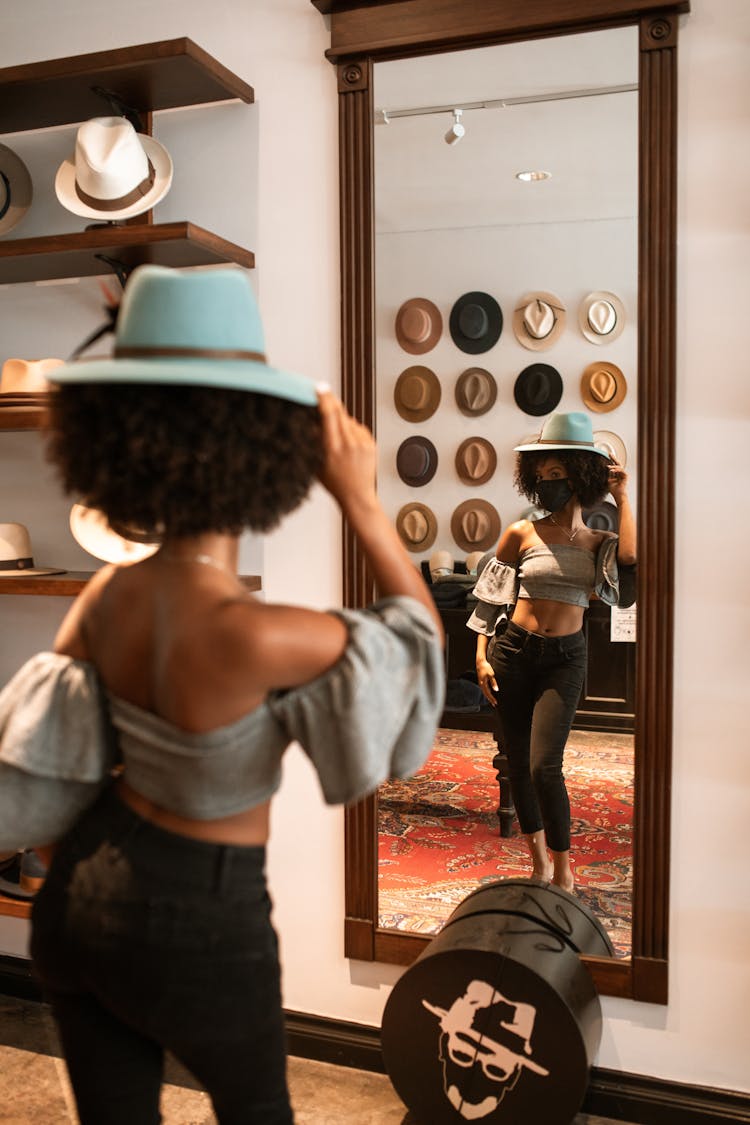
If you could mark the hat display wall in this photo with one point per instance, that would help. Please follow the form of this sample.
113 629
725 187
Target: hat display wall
564 431
476 391
538 320
602 516
538 389
476 321
419 325
16 559
417 394
16 191
603 387
416 461
613 446
197 328
476 460
92 531
601 317
23 382
417 527
114 173
475 525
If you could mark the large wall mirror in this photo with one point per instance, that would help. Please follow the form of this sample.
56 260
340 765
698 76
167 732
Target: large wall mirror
586 93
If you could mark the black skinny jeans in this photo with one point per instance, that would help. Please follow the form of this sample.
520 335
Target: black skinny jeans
143 941
539 684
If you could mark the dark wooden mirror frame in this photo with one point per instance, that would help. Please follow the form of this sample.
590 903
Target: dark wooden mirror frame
362 32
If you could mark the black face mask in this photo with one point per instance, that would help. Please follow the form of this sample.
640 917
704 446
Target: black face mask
553 494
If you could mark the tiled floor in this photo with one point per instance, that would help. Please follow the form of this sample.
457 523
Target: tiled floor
34 1088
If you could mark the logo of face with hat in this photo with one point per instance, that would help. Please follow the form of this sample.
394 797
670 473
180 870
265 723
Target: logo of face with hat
603 387
476 322
538 320
419 325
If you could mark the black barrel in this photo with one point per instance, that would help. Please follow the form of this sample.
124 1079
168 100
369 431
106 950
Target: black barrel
498 1020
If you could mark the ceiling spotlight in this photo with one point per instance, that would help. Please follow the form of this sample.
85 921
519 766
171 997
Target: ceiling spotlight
532 177
457 130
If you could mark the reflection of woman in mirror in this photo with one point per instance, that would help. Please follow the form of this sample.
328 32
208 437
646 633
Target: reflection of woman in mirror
541 578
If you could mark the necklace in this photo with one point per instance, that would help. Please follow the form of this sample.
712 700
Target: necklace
205 560
564 530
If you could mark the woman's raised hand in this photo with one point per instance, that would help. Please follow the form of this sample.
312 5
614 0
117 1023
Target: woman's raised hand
350 454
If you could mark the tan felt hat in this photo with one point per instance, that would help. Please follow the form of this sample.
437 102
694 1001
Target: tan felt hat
613 444
601 317
476 391
419 325
417 527
603 387
538 320
417 394
475 525
476 460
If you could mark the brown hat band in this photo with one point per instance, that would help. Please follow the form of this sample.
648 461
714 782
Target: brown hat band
17 564
141 189
145 352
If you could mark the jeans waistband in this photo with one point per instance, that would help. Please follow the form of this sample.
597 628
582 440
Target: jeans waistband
200 865
538 644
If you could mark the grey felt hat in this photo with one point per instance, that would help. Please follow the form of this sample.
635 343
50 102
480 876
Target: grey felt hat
476 391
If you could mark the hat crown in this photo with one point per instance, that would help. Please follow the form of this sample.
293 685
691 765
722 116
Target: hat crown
537 386
413 459
213 310
603 385
602 316
26 375
15 542
573 429
415 526
538 318
474 524
414 391
109 157
473 321
476 459
476 391
415 324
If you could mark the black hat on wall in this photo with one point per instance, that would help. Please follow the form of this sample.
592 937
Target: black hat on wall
538 389
476 322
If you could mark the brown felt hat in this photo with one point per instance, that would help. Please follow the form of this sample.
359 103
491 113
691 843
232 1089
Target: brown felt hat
476 391
417 527
417 394
476 460
601 317
475 525
538 320
416 461
603 387
419 325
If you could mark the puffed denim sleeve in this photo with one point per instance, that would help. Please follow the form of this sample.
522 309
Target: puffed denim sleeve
56 749
495 591
373 715
614 584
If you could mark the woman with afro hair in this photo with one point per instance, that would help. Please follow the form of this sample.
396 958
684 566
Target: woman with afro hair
532 594
172 693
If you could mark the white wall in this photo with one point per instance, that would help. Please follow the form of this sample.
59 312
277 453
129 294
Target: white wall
702 1036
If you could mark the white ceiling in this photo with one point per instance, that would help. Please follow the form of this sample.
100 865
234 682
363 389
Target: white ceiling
590 144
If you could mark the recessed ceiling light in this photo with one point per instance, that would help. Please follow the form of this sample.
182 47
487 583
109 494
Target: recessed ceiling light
532 177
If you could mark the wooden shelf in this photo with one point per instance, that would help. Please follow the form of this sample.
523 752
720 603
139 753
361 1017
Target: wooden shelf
22 417
15 907
71 582
74 255
151 76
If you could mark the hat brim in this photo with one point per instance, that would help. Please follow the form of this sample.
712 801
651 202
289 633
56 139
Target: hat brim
548 446
22 191
225 374
32 572
65 185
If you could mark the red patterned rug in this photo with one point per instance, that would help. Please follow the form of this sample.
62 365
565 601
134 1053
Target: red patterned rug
438 834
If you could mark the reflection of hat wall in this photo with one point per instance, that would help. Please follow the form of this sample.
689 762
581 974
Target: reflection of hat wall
475 525
601 317
476 391
538 320
417 394
16 191
417 527
603 387
419 325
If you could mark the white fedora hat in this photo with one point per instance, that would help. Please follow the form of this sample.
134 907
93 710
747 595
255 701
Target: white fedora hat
15 189
16 560
601 317
26 376
92 531
115 173
538 320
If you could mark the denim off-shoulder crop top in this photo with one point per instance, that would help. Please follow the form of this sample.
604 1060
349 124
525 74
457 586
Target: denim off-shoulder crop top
371 716
556 572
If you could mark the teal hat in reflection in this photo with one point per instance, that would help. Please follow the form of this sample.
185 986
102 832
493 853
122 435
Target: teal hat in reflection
197 328
564 431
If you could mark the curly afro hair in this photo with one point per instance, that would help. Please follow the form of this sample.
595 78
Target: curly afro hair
588 473
184 460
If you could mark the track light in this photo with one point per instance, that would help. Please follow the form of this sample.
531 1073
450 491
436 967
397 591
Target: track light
457 130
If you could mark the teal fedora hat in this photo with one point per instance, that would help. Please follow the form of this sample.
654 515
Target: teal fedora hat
564 431
197 328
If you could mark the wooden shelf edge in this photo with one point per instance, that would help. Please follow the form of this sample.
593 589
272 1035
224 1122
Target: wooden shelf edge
24 418
14 907
71 582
